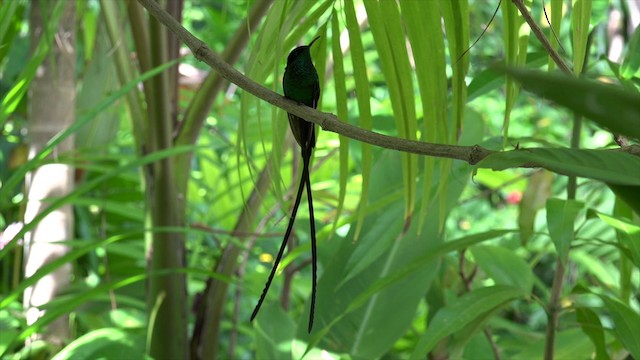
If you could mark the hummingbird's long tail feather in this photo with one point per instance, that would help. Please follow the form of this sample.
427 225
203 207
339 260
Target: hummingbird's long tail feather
314 261
305 174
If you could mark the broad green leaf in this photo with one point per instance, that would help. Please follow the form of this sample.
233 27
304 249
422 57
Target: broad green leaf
626 325
461 312
99 81
533 199
447 247
352 316
105 343
571 344
607 166
629 194
274 331
504 266
631 62
590 324
613 107
490 78
364 106
561 217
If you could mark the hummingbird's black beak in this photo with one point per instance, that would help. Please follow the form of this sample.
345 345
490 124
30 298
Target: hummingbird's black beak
314 40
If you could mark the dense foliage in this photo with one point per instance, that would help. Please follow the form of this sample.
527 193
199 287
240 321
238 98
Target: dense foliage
182 182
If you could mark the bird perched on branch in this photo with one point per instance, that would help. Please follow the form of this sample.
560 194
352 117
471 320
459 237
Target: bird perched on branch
301 84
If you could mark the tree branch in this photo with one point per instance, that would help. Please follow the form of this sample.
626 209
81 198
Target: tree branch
541 37
328 122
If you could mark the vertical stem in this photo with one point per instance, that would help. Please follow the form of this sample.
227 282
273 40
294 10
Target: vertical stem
167 295
553 310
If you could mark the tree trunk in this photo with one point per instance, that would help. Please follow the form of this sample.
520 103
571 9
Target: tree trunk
52 109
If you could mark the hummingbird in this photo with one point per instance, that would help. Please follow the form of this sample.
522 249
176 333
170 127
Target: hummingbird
301 84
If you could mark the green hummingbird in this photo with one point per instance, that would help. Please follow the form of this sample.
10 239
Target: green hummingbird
301 84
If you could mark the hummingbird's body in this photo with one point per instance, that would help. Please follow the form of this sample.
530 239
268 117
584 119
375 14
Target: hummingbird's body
301 84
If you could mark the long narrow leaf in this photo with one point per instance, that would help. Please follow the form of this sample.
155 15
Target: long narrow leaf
364 105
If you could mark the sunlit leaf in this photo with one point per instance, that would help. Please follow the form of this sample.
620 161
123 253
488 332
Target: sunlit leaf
631 62
613 107
364 106
533 199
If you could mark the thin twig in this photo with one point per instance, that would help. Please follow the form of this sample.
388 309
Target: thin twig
467 280
481 34
553 31
541 37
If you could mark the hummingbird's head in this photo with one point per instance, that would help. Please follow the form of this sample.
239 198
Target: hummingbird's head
301 53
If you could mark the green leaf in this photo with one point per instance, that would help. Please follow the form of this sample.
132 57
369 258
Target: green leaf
571 344
629 194
561 216
534 198
591 326
274 331
631 62
490 78
19 89
504 266
106 343
580 21
18 175
516 39
556 20
387 29
456 22
627 325
427 44
353 316
613 107
628 234
364 106
463 311
339 79
608 166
